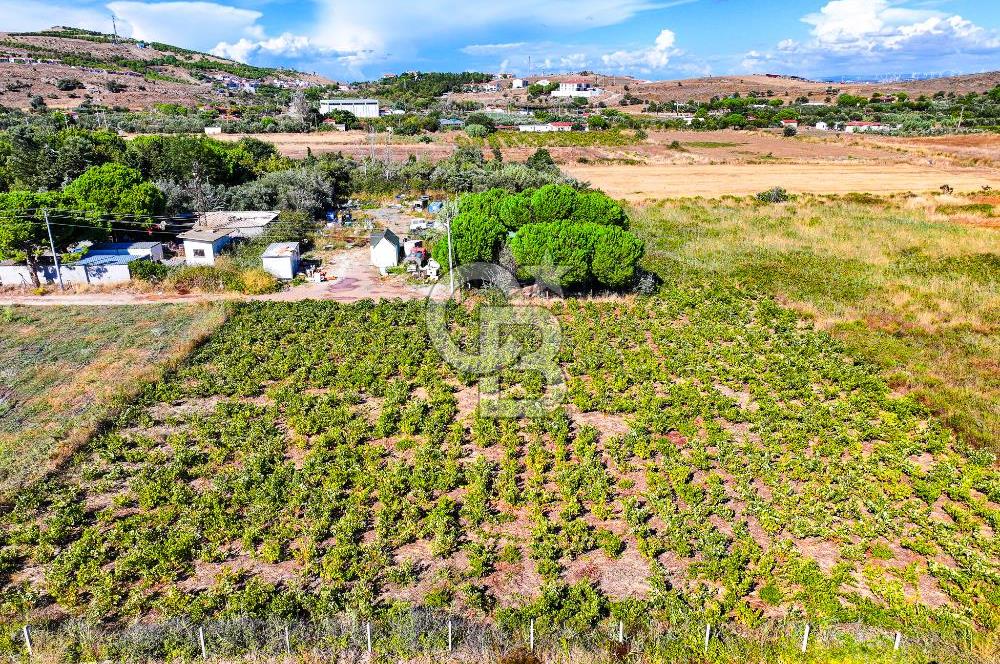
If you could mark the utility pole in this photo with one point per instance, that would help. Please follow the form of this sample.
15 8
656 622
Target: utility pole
52 245
114 27
451 265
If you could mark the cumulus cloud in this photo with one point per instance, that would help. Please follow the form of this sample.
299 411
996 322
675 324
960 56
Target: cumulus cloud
26 15
402 26
864 36
198 25
646 59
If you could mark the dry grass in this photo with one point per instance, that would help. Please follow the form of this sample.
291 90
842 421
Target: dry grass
896 280
64 368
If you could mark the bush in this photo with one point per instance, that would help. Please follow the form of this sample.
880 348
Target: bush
477 131
553 202
790 131
774 195
257 281
147 270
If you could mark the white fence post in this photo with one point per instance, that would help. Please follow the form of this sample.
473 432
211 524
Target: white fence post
449 634
201 642
531 636
899 639
368 635
708 635
288 643
27 640
621 632
805 638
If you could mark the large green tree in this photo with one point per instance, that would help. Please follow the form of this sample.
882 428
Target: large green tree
113 190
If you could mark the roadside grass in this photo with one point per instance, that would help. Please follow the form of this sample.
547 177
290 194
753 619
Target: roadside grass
910 290
63 370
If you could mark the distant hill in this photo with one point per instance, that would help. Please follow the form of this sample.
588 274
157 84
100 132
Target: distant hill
67 65
793 87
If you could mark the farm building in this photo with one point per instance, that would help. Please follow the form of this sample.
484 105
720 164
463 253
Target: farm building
361 108
202 246
214 230
103 264
281 259
858 127
385 249
790 123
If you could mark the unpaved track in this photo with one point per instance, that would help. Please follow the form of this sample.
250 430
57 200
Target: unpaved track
713 180
356 280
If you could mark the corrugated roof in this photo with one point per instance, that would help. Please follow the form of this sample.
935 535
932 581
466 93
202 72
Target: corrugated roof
204 235
115 246
281 250
98 260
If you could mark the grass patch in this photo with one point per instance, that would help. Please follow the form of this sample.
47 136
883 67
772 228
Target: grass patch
918 296
711 144
62 368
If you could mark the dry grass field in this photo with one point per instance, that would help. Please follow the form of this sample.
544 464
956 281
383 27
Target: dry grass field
671 164
673 181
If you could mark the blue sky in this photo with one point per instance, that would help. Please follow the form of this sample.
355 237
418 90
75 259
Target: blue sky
655 39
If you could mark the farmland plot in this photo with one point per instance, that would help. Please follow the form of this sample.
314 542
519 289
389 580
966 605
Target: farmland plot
716 458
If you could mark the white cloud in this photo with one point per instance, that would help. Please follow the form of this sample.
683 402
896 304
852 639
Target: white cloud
647 59
285 45
490 49
27 15
879 36
197 25
401 26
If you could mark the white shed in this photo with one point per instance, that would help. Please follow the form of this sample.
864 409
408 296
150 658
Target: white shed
385 249
281 259
201 246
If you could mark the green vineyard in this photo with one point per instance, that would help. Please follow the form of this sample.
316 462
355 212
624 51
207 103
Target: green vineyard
716 461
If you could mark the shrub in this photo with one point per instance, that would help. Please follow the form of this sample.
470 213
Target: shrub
790 131
553 202
146 270
477 131
774 195
257 281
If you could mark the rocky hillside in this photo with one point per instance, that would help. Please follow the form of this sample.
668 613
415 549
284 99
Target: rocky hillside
65 66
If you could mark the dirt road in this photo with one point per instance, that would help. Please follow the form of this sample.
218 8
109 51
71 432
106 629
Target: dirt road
713 180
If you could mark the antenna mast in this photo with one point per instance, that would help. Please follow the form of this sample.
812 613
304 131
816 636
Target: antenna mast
114 27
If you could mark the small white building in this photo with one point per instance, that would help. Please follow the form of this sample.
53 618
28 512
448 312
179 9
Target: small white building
213 131
202 246
361 108
822 126
861 127
577 87
518 83
385 250
794 124
281 259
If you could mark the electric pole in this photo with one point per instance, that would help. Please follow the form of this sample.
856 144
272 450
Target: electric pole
114 27
52 245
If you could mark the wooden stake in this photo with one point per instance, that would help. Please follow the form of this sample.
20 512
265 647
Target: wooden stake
201 641
899 639
531 636
621 632
368 634
449 634
288 643
805 638
708 636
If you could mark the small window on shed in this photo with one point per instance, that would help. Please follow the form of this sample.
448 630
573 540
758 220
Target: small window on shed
199 253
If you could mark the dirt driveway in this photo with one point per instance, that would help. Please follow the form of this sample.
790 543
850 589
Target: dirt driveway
354 279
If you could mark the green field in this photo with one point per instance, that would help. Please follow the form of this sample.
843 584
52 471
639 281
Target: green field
899 281
717 461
